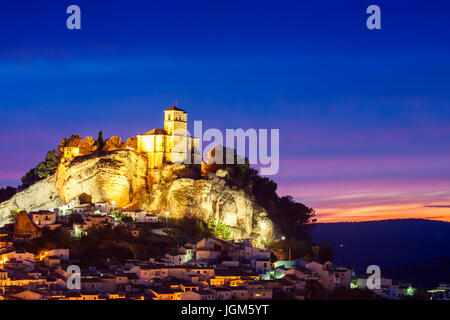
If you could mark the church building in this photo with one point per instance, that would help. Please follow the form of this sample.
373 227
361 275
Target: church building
171 144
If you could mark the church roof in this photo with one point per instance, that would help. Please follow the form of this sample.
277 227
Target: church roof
156 132
174 108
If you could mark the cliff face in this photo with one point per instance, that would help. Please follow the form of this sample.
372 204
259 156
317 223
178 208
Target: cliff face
40 196
118 176
124 177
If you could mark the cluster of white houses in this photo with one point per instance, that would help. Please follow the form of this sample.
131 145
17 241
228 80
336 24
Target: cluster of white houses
92 214
207 270
210 269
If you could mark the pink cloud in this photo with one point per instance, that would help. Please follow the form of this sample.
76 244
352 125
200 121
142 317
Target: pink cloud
368 188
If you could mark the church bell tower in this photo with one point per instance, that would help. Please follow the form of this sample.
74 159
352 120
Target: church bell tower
175 121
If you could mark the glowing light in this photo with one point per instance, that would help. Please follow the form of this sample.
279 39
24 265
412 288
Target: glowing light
42 255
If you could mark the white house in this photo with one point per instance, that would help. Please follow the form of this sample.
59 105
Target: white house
81 208
43 218
190 295
16 255
141 216
62 254
104 207
223 293
331 276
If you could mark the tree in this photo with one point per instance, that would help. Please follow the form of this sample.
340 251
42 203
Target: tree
326 252
100 142
7 193
113 143
49 165
127 219
42 170
75 218
52 160
190 229
292 219
87 146
28 179
131 143
300 248
221 230
62 145
74 141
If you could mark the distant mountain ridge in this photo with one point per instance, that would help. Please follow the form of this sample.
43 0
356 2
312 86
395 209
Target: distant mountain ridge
427 273
387 243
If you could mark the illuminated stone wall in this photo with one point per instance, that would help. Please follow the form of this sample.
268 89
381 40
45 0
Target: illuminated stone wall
71 152
175 121
151 143
173 147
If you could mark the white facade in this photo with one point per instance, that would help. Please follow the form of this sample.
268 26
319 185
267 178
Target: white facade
331 276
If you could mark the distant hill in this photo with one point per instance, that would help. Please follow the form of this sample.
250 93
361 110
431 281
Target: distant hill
386 243
427 273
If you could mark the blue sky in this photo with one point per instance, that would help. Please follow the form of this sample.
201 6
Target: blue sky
371 109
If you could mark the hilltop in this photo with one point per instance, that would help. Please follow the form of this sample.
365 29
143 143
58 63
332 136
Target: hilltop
149 172
123 176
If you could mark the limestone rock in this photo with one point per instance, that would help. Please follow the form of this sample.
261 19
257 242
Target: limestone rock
124 176
42 195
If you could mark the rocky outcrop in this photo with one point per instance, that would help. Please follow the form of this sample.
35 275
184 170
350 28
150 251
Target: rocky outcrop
124 176
23 226
119 176
42 195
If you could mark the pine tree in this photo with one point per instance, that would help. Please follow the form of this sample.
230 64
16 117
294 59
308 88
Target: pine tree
100 141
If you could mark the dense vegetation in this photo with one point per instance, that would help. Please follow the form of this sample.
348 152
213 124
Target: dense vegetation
7 193
103 245
303 249
192 230
42 170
